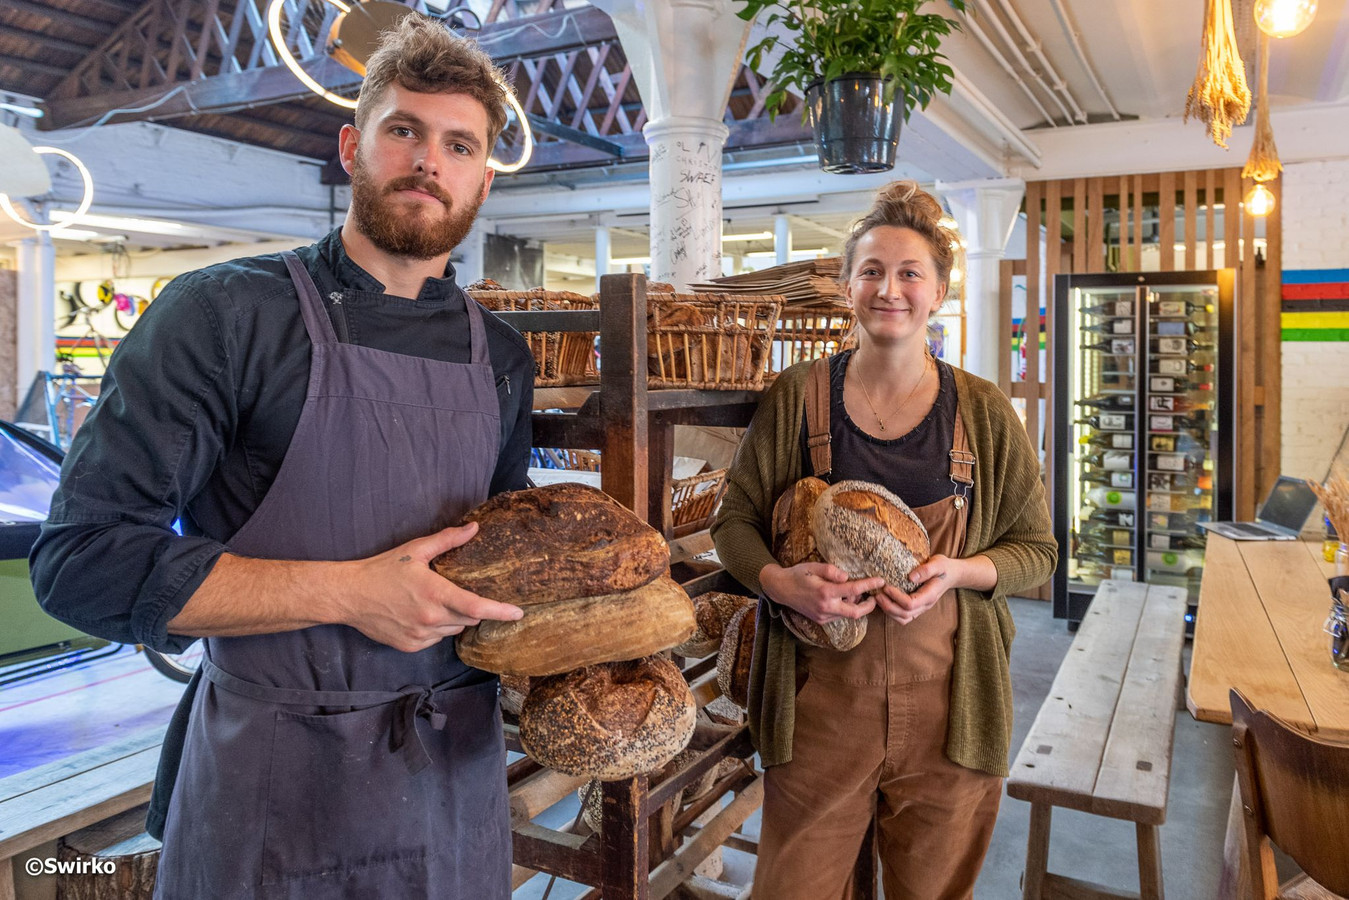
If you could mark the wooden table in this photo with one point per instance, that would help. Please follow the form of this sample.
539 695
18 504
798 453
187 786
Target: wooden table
1262 605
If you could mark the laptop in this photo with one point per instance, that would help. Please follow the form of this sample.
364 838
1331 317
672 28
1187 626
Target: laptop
1280 518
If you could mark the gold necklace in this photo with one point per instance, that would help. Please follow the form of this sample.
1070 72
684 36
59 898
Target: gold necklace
904 403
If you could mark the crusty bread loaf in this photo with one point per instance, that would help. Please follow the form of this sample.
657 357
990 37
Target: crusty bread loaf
712 611
735 657
609 721
793 543
867 531
554 543
568 634
514 689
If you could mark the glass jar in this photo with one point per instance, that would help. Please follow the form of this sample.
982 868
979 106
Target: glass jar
1337 626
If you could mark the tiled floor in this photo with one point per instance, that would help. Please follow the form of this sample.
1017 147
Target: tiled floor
64 712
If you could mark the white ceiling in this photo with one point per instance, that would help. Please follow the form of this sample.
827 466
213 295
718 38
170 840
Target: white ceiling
1136 62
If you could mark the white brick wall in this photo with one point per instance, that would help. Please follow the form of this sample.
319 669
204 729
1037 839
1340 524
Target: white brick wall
1315 375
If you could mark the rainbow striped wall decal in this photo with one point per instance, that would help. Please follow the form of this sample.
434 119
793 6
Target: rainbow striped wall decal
1315 305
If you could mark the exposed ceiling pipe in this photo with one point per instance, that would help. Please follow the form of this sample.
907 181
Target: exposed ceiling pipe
973 26
1021 58
1033 43
1071 31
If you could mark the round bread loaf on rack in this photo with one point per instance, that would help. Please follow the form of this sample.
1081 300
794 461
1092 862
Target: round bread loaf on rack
712 611
555 542
609 721
567 634
867 531
735 657
793 543
514 689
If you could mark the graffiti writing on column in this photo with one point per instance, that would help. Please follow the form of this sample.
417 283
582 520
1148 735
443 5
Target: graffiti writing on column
691 204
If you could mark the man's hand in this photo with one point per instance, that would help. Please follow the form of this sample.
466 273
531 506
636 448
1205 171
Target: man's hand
402 602
819 591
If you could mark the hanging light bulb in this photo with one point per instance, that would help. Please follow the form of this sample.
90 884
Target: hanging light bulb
1259 200
1284 18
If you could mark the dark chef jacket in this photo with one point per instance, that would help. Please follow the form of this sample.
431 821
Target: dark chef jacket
194 419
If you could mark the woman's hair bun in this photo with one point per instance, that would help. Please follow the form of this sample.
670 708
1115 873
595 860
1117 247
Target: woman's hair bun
906 199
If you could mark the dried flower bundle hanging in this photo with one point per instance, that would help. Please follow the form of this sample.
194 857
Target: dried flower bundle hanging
1219 95
1334 496
1263 163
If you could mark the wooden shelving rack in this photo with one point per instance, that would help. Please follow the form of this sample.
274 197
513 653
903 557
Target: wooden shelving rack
645 848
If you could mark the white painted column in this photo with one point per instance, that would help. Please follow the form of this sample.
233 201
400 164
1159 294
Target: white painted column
603 253
782 239
685 198
684 56
470 255
985 213
36 315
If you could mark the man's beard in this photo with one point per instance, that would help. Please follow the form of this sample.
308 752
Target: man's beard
399 232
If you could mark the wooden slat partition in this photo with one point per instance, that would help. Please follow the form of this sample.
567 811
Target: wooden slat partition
1194 196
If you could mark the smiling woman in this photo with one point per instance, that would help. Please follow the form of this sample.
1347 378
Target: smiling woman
888 415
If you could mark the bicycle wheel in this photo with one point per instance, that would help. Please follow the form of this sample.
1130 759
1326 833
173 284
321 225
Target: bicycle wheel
177 666
129 312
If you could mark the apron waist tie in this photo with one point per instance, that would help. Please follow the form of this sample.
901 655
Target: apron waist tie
413 701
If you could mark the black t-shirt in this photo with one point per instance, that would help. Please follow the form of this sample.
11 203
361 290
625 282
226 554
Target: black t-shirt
915 467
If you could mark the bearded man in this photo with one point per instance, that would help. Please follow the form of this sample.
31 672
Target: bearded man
317 420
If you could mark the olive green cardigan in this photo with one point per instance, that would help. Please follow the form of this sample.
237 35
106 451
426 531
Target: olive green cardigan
1008 522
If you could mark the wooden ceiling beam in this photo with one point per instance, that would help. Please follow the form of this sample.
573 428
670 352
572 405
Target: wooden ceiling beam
45 42
51 14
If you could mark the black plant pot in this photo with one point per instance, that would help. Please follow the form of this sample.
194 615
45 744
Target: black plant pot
855 131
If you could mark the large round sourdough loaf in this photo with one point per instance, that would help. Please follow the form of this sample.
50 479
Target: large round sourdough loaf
609 721
736 656
867 531
793 543
567 634
555 542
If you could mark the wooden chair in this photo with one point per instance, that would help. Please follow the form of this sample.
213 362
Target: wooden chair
1293 795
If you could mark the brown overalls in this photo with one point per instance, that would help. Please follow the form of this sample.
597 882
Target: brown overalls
870 739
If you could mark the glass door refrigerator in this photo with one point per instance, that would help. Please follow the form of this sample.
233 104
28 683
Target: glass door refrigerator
1143 402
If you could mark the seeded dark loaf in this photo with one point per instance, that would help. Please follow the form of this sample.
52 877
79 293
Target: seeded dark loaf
568 634
609 721
555 542
736 655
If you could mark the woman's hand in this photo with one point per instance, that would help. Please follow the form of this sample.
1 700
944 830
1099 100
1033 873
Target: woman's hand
819 591
934 578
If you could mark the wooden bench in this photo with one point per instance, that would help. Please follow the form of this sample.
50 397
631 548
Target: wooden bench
54 800
1101 742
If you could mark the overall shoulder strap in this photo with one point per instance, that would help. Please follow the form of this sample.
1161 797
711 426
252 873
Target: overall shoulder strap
817 418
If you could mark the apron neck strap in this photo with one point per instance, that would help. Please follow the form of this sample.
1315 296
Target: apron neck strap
316 320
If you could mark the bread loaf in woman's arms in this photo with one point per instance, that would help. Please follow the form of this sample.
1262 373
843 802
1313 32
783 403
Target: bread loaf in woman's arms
609 721
867 531
568 634
554 542
794 543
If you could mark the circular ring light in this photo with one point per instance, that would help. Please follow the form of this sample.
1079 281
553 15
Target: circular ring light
79 212
282 51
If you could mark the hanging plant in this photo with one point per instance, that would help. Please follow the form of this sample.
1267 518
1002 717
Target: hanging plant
1219 96
1263 164
831 38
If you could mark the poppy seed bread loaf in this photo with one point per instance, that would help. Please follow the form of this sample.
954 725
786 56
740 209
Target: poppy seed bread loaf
867 531
555 542
609 721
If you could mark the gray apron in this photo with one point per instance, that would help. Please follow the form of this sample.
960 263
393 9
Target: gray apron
319 763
